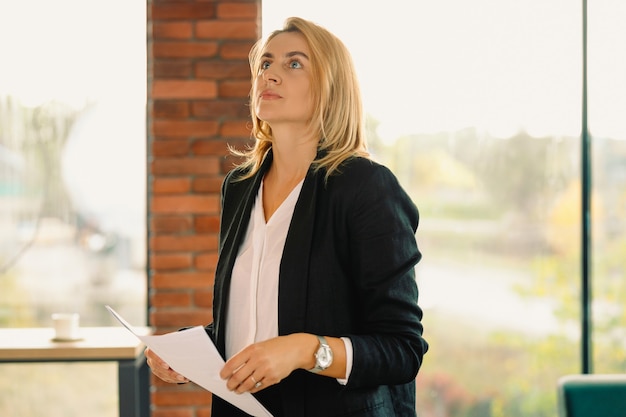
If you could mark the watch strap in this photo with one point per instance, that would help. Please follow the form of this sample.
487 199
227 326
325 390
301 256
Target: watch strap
322 342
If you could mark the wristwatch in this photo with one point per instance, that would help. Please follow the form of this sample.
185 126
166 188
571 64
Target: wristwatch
323 356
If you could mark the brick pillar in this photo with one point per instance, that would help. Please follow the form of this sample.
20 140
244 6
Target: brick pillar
198 84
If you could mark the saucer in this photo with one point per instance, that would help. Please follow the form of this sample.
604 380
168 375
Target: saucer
63 339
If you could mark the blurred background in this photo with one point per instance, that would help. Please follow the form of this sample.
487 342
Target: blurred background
72 183
72 187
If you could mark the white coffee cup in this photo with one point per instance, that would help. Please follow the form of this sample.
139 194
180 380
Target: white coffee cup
65 325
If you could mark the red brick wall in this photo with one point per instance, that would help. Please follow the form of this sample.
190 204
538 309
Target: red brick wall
198 83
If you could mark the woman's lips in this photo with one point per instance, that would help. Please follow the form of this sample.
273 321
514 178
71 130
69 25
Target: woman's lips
269 95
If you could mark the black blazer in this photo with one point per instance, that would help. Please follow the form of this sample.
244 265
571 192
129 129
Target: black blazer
347 269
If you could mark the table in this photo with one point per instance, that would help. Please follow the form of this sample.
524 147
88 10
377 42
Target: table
111 344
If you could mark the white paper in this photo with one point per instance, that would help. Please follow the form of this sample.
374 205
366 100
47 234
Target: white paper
192 353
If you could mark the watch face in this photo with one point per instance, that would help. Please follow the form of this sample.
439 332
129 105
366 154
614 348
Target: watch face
324 357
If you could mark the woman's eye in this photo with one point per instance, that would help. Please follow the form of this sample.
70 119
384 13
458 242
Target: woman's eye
265 65
295 64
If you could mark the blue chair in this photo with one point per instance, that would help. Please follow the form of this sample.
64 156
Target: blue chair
592 395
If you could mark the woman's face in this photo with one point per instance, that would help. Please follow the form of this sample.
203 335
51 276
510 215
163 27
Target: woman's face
282 89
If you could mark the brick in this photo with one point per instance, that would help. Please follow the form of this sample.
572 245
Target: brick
186 166
192 243
179 49
184 204
168 318
186 128
176 261
172 30
220 109
219 70
237 11
236 129
180 397
181 280
209 147
174 412
206 261
170 224
239 142
161 385
207 184
233 89
171 185
219 29
170 109
197 60
172 68
187 89
180 11
235 50
203 298
172 299
230 162
202 412
171 147
207 224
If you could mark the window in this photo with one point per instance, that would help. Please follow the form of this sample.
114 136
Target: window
72 186
607 106
476 106
72 160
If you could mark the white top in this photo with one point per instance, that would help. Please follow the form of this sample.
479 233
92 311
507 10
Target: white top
254 284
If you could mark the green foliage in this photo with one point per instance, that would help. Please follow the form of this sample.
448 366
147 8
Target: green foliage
515 202
59 389
14 306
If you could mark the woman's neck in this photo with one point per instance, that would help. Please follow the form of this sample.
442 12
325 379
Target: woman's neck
293 155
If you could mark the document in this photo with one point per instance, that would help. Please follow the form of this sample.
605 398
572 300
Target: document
191 352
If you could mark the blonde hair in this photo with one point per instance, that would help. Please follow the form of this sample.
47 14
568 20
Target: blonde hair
338 111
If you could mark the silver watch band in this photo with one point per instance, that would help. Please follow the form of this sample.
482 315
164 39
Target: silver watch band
322 343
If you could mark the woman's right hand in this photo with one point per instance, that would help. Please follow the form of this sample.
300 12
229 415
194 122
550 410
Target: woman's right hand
162 370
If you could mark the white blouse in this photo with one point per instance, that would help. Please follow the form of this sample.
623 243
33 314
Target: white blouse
254 283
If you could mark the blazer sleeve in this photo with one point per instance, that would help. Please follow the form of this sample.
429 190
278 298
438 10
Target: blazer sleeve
382 221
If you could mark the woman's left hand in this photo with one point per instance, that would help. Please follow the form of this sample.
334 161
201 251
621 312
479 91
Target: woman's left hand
267 363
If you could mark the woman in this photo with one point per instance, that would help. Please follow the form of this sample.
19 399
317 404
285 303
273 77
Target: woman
315 300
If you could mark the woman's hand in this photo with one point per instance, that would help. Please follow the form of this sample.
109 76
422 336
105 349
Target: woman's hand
162 370
266 363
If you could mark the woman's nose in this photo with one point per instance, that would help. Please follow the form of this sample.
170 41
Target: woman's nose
271 77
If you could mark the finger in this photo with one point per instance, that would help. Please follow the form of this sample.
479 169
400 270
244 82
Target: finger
181 379
258 384
162 370
231 367
249 384
238 377
171 376
155 361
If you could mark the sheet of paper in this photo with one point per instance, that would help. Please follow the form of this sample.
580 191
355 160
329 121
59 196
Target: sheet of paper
192 353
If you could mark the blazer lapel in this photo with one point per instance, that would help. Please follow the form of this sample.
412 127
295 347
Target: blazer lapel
236 223
294 266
